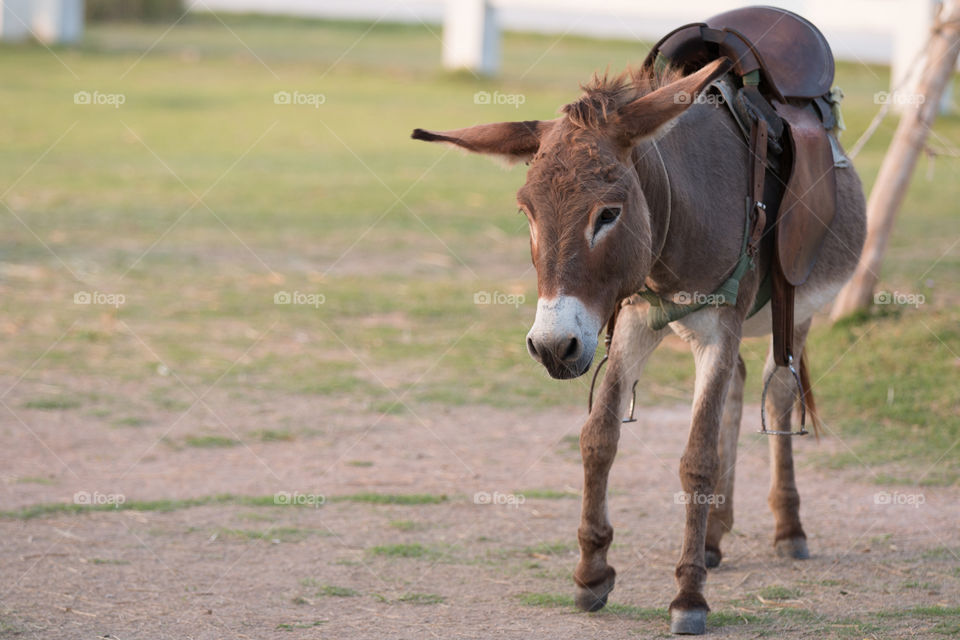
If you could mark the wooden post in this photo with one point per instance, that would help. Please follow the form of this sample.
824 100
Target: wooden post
897 168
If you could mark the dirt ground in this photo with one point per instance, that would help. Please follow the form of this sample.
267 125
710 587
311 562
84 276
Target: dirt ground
450 569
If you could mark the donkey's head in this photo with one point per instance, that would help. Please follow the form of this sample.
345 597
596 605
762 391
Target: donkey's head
589 223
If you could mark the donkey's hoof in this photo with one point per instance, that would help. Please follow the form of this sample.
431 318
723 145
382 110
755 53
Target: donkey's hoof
713 558
594 597
795 548
688 622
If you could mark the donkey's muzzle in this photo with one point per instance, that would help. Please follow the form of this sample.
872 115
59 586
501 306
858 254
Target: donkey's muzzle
564 337
560 355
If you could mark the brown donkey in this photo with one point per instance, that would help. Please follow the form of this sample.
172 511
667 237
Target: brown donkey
638 186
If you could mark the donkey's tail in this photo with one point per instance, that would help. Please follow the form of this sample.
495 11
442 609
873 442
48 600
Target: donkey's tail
807 391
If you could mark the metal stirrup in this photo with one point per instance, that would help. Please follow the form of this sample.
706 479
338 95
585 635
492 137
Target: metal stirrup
633 404
803 404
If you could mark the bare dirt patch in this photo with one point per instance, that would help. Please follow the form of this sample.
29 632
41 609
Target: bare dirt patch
443 566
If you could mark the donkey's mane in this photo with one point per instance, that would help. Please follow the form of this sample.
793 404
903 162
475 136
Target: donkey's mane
604 94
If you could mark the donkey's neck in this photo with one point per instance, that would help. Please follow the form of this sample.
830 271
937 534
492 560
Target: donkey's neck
655 182
697 204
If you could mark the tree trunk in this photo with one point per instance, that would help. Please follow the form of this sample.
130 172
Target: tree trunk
908 141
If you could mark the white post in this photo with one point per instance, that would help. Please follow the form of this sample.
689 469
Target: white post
914 18
471 38
58 21
15 20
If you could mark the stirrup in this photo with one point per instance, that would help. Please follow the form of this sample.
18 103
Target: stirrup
633 404
803 404
633 391
607 341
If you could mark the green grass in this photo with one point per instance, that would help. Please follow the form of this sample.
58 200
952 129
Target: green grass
562 547
547 494
550 600
406 525
292 626
334 591
421 598
760 621
131 421
391 498
305 200
210 442
777 592
273 435
52 404
413 550
874 386
58 508
108 561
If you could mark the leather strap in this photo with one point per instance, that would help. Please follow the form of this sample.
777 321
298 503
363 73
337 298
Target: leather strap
782 292
781 306
758 169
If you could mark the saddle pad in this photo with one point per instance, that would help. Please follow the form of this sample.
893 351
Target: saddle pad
810 198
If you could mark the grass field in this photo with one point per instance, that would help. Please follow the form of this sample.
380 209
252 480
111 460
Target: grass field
199 199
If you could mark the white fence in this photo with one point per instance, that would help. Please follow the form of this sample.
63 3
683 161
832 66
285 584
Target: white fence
864 30
49 21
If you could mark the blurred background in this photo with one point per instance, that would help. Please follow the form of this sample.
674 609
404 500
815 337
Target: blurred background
219 247
186 185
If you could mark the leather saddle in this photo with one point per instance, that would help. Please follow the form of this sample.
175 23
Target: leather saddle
784 72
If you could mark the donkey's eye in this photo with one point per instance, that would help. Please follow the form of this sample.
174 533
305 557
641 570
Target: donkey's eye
608 215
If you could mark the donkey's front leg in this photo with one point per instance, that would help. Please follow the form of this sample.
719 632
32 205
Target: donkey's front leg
720 520
716 342
633 343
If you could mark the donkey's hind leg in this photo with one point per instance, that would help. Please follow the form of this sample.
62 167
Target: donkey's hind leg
633 343
720 519
789 539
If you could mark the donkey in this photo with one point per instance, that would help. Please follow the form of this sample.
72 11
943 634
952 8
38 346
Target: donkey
637 185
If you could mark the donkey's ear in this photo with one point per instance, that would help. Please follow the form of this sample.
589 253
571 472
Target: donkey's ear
510 141
649 115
